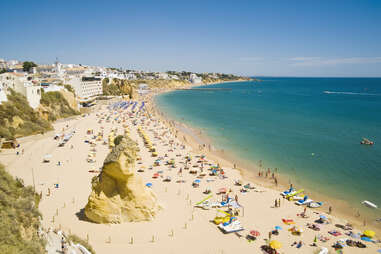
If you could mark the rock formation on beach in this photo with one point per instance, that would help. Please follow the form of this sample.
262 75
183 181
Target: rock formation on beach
118 194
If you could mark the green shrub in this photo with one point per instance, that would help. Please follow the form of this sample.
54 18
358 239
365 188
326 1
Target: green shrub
18 209
69 88
77 239
118 139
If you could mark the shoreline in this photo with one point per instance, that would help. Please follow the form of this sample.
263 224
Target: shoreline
342 209
179 225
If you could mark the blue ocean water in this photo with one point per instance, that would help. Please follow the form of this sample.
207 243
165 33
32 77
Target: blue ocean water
309 128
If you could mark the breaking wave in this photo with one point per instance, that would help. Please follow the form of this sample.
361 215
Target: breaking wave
351 93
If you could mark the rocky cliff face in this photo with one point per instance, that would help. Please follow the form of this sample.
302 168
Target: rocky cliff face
118 194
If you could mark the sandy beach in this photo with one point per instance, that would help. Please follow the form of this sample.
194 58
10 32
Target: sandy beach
65 184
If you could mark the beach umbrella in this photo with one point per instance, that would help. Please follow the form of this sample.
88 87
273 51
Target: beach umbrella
275 244
323 217
254 233
222 190
278 227
369 233
149 185
197 181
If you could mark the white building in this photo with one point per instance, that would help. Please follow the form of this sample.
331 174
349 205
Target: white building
19 83
3 95
195 79
75 71
163 75
86 87
143 88
51 87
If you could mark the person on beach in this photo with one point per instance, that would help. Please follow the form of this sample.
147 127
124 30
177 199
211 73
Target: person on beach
330 210
62 244
279 203
276 181
276 203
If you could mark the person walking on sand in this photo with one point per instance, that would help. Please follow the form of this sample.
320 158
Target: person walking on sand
276 181
330 210
276 203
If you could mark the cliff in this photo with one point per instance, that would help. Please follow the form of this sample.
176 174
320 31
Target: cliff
118 194
54 106
18 119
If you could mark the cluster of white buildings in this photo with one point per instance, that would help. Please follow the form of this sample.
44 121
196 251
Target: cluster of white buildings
195 79
85 80
49 78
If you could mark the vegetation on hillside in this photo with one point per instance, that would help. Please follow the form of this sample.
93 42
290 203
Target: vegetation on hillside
58 106
19 217
18 119
69 88
77 239
117 87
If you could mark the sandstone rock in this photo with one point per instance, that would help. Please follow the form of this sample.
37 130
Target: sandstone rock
118 194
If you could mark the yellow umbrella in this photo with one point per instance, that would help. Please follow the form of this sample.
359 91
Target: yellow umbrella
275 244
369 233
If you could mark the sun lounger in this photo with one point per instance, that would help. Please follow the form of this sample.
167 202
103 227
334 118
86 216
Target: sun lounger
286 192
234 226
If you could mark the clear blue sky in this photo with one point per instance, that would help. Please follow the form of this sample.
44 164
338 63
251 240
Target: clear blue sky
281 38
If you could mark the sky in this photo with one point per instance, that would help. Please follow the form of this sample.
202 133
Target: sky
255 38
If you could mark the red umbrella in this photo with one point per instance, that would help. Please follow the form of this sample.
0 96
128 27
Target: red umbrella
254 233
222 190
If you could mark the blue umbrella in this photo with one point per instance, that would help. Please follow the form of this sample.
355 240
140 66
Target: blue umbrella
323 217
149 185
366 239
278 227
197 181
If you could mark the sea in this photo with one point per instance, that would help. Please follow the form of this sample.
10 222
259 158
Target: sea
310 129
